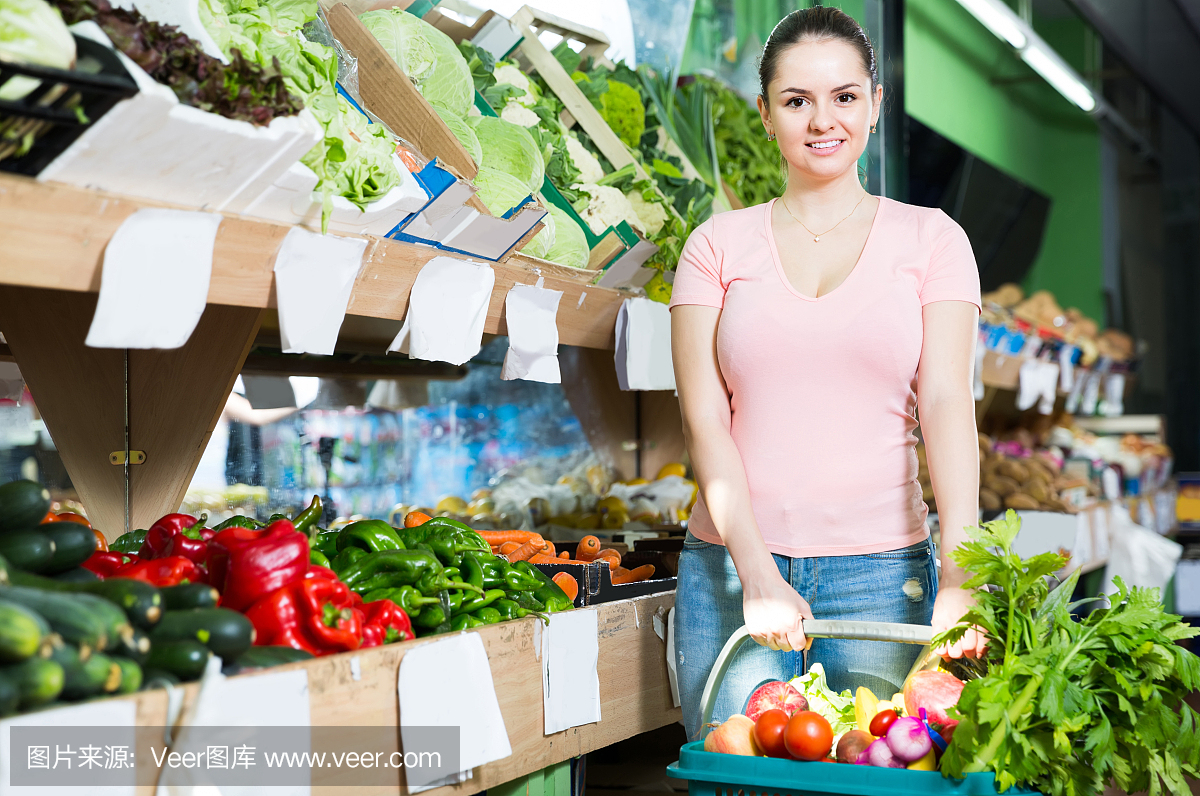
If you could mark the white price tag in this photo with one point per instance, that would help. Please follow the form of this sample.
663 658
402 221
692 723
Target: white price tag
570 670
314 276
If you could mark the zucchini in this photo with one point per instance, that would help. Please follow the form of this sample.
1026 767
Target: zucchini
135 647
23 504
10 694
141 602
131 676
227 633
86 675
40 681
73 544
21 632
75 620
116 624
264 658
157 678
189 595
184 659
27 550
76 575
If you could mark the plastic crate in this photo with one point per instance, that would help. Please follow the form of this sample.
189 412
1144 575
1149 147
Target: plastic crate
718 774
60 108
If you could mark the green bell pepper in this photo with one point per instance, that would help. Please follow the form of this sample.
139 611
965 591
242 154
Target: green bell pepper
554 598
346 559
371 535
323 540
487 615
434 616
465 622
319 558
479 601
238 521
510 609
493 572
310 516
526 600
129 543
388 568
407 597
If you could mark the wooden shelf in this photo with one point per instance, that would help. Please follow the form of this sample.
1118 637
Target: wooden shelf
53 236
635 693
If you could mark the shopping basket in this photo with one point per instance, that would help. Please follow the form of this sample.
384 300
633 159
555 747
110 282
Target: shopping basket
717 774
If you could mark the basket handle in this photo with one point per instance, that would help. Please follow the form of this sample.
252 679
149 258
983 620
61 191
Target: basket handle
813 628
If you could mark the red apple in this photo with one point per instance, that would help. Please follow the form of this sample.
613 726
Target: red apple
775 694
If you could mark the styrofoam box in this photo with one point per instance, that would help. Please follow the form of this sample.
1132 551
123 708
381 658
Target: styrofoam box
153 147
290 200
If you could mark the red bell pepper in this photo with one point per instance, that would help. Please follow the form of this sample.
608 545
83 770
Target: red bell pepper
162 531
384 622
244 564
191 543
318 571
311 614
105 563
162 572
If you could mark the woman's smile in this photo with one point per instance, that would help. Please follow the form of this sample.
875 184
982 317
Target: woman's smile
826 146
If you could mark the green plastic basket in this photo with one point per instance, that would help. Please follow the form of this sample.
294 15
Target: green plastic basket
716 774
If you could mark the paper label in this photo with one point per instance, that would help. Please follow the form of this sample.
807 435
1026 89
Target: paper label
532 334
447 311
314 277
570 670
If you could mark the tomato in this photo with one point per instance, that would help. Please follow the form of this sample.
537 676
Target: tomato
768 733
808 736
101 542
76 518
883 719
50 517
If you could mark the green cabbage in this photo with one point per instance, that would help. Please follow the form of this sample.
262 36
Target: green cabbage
32 32
462 131
427 56
499 191
510 148
570 245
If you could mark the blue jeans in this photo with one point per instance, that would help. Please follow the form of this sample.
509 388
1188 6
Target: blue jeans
892 586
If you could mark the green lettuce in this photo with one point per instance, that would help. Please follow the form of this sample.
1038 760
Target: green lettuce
462 131
32 32
838 709
570 245
510 148
498 190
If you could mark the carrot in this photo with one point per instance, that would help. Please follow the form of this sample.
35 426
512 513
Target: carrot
415 518
622 575
568 584
564 554
500 537
588 548
612 556
542 558
549 549
508 547
527 550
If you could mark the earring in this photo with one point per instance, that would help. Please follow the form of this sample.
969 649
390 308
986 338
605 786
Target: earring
770 136
872 128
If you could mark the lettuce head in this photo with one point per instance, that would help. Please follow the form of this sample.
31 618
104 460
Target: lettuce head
509 148
499 191
540 244
570 245
427 56
32 32
462 131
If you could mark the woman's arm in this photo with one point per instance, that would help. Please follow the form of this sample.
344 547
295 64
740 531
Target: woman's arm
946 409
771 607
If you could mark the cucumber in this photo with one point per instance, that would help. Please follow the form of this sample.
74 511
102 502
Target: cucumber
76 575
264 658
131 676
184 659
227 633
10 694
27 550
21 632
22 505
86 675
73 544
141 602
189 595
136 647
157 678
75 620
40 681
116 624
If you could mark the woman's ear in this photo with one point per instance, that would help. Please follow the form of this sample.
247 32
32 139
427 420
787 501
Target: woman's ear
765 113
878 105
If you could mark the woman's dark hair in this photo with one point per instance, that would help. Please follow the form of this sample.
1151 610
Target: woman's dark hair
820 23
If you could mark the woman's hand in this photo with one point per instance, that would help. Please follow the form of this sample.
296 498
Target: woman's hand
951 603
774 611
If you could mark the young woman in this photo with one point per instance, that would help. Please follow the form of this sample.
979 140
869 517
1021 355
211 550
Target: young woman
809 334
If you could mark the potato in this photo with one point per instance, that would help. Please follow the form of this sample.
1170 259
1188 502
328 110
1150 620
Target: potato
985 442
1002 485
989 500
1014 470
1019 500
1038 490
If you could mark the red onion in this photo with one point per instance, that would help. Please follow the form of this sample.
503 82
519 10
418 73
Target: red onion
908 739
879 754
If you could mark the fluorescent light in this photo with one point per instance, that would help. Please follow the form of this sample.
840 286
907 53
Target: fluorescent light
1046 63
999 19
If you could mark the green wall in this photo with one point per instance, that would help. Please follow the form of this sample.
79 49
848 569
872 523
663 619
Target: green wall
966 84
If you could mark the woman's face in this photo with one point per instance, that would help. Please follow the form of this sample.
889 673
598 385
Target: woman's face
820 107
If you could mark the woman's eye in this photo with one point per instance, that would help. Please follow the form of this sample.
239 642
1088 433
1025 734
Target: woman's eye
846 98
794 102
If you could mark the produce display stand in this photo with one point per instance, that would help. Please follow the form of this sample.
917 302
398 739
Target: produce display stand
53 238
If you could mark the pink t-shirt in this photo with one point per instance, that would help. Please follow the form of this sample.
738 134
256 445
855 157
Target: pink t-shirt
823 390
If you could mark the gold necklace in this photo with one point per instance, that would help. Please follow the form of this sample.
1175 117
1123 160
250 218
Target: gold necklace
816 237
